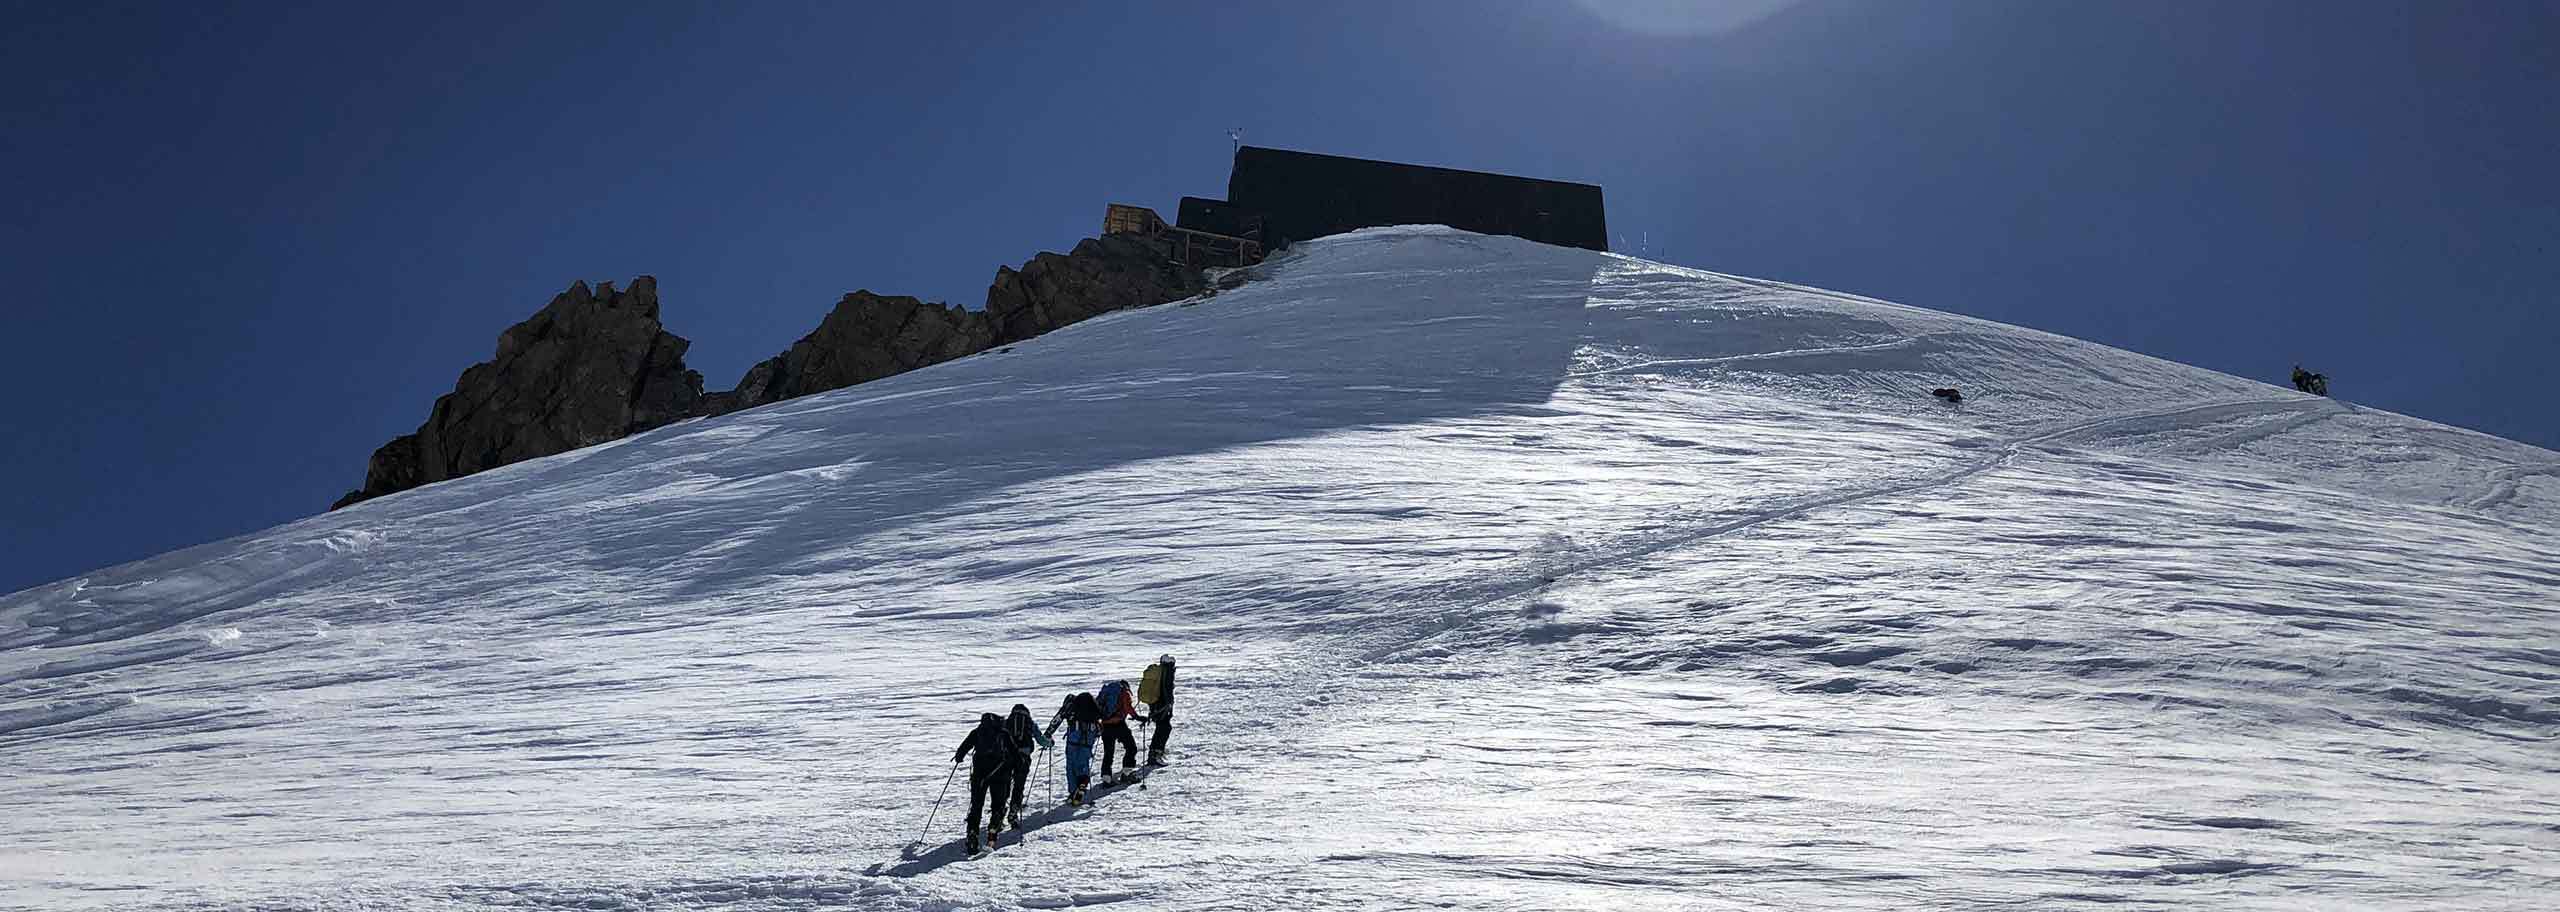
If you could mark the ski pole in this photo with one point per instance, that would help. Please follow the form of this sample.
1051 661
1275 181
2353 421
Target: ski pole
937 802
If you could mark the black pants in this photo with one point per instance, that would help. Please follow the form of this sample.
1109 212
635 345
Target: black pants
1163 714
1021 775
1116 735
987 791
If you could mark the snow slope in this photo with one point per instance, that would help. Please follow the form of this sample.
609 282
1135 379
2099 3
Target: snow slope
1504 576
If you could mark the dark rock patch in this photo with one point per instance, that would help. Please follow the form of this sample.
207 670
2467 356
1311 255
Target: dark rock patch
1100 275
866 337
592 366
596 365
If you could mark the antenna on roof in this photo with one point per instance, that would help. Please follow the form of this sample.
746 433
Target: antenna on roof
1236 138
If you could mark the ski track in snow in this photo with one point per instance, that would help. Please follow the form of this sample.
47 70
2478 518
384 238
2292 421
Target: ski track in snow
1786 511
2503 484
1505 577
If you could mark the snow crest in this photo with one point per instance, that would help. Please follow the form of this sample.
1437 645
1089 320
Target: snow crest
1503 576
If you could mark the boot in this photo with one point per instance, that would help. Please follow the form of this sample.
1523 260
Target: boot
1013 820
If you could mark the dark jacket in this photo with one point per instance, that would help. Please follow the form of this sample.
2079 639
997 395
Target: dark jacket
994 746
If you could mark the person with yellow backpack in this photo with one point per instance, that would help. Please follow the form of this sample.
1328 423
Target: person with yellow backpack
1155 688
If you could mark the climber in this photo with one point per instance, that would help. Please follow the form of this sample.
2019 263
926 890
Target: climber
1155 688
1116 709
2306 381
1082 717
989 776
1024 736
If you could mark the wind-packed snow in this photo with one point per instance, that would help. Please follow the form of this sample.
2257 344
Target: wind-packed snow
1503 577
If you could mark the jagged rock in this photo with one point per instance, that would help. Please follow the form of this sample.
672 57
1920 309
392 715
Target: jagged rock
594 365
870 336
865 338
1101 275
394 467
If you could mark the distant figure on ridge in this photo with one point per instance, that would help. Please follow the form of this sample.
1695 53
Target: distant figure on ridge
1024 736
2306 381
990 775
1116 709
1155 688
1083 719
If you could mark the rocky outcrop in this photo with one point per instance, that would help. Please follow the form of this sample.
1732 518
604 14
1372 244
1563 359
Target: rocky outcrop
1101 275
865 338
869 336
595 365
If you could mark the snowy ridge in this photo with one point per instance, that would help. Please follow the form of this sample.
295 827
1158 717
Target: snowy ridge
1504 576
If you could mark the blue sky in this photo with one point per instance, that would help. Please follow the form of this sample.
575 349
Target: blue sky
246 245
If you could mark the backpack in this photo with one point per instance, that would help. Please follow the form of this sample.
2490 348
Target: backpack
1022 732
1151 685
993 746
1115 701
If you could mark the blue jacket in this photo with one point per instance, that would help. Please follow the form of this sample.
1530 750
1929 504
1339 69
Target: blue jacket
1080 735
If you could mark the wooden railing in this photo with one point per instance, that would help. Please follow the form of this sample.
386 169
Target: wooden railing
1182 245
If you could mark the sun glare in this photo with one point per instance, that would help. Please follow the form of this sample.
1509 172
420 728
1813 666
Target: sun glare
1683 17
